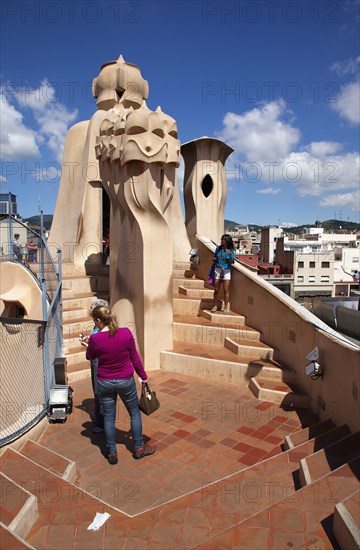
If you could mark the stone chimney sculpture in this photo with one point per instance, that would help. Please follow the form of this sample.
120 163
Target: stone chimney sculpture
132 153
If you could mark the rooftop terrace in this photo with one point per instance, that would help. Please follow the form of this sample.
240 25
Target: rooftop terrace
219 479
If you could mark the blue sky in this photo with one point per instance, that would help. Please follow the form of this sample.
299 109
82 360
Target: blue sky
277 80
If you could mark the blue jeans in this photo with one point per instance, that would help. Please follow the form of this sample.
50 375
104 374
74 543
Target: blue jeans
99 421
108 391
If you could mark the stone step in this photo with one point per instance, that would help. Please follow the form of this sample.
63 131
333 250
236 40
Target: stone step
196 292
74 355
57 499
70 270
190 306
258 350
19 508
78 371
188 283
220 317
211 362
72 294
74 313
346 525
197 329
321 462
50 460
73 327
300 520
11 541
297 438
279 392
187 273
182 265
77 284
312 445
83 302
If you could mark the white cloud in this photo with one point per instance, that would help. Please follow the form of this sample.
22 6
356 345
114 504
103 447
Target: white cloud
351 200
17 141
287 225
261 133
2 179
315 169
323 148
347 66
268 191
348 105
52 117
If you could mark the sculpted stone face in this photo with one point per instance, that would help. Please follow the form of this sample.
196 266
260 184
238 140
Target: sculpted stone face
139 135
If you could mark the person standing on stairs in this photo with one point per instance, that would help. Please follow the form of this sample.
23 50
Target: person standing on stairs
116 351
223 258
99 419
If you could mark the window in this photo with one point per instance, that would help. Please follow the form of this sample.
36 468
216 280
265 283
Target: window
325 264
207 185
300 279
355 260
300 264
311 278
312 264
325 279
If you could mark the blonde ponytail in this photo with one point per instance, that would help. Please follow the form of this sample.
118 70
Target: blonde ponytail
106 317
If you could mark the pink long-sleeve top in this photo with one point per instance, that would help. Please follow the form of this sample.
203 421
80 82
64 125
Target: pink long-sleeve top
117 355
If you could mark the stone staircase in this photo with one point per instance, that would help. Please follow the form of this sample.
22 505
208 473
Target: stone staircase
40 493
78 292
214 345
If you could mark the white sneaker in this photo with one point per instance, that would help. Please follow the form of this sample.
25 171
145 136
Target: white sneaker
214 309
226 311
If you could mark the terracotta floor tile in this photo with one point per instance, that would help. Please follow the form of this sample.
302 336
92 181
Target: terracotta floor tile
202 432
248 460
181 433
250 537
165 532
286 539
245 430
243 447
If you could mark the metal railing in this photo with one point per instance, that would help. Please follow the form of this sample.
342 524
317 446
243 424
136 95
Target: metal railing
29 347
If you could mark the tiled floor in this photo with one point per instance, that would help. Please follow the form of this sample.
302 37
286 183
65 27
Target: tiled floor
218 469
203 431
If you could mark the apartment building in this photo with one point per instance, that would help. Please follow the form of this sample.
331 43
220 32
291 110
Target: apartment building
269 237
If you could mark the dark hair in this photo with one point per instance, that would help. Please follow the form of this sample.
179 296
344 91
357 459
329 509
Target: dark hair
16 235
104 315
228 240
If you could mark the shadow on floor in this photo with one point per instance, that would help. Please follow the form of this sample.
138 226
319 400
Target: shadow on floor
123 437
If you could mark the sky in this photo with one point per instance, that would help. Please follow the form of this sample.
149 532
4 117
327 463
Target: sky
278 81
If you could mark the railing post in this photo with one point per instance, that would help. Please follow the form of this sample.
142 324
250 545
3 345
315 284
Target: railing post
46 365
59 255
11 252
42 270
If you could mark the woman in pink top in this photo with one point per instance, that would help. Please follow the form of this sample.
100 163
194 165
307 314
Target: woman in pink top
115 349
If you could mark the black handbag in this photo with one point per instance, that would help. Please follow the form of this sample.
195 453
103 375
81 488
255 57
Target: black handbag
148 402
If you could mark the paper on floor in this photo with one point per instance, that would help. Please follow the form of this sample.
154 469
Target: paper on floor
98 521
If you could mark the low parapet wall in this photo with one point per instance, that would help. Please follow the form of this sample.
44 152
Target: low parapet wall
293 332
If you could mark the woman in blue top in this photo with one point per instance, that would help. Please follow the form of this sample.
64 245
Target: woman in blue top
223 258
